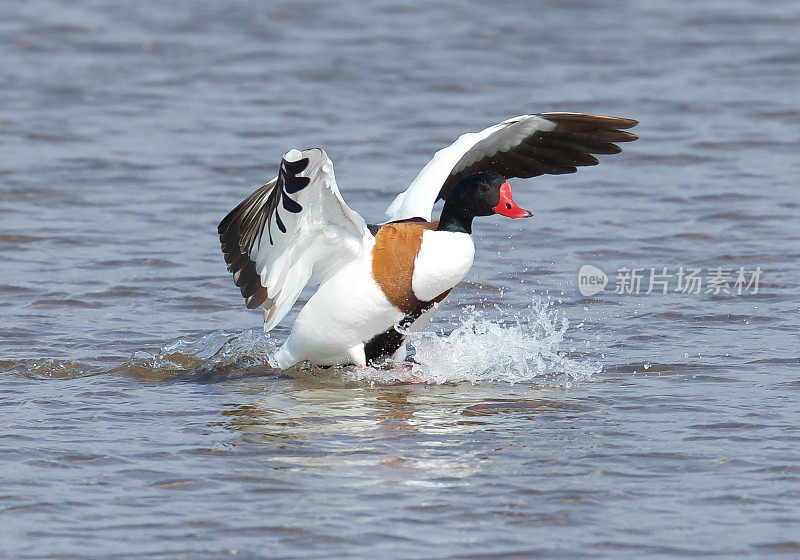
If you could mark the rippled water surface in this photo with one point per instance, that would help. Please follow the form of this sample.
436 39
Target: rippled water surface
140 417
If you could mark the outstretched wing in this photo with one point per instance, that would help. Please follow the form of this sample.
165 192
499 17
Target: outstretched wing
294 227
525 146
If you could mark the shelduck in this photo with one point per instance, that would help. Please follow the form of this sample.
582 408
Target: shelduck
375 282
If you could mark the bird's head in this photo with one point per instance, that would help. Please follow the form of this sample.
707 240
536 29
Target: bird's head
484 194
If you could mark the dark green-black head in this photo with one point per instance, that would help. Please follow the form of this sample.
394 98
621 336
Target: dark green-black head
478 194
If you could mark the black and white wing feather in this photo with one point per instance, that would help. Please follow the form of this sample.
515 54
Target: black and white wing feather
525 146
293 229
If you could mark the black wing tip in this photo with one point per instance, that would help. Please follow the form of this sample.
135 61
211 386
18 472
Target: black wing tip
225 223
246 278
236 237
599 121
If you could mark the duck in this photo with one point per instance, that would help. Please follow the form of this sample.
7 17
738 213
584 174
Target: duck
376 283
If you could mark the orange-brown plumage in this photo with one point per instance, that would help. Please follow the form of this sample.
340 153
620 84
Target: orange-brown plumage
396 248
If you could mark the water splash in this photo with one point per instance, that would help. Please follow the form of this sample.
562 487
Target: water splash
524 347
494 345
214 353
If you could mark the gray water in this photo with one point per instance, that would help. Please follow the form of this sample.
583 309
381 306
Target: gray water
139 417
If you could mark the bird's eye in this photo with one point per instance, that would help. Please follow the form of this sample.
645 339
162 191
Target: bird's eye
508 206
